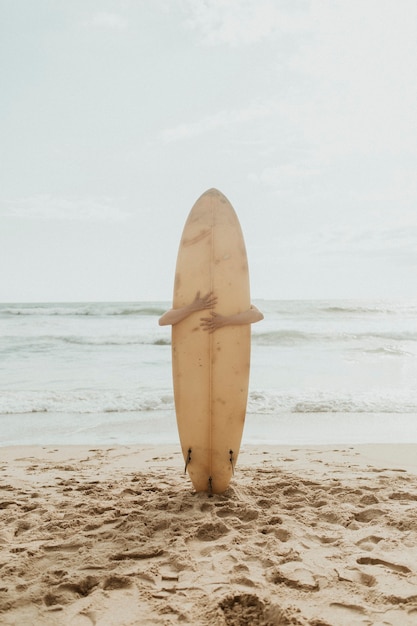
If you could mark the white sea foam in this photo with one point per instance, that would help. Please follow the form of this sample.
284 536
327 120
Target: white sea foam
97 309
259 402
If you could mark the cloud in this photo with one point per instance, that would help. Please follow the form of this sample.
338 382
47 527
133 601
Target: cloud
108 21
241 22
354 66
209 123
389 239
47 207
287 176
335 246
362 61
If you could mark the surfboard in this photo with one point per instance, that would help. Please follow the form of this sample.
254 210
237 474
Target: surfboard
211 371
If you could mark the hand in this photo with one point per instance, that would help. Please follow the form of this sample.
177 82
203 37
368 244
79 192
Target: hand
206 302
214 322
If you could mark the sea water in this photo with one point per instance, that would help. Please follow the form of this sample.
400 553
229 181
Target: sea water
100 373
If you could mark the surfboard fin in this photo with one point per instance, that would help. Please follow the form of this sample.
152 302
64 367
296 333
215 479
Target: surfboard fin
188 460
232 461
210 487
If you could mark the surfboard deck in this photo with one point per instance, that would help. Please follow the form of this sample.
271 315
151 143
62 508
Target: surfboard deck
211 371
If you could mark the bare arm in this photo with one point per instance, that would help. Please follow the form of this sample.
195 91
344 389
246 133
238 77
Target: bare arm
173 316
216 320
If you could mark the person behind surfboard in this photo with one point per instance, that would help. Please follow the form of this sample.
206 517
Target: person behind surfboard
210 324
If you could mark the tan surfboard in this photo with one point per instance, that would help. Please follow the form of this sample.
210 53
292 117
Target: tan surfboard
211 371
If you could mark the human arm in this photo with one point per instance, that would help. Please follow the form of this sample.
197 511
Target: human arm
216 320
174 316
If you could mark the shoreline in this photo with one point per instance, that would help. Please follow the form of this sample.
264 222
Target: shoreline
114 535
157 427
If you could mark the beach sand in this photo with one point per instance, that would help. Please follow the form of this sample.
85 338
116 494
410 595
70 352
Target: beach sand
115 536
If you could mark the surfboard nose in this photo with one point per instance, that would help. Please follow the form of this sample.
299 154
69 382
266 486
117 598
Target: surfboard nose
213 192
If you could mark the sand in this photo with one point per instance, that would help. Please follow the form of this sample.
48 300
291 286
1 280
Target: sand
116 536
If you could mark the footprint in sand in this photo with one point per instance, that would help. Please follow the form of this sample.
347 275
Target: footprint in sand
63 547
354 575
368 543
338 517
369 514
293 575
332 540
115 581
210 531
240 575
280 533
245 609
369 498
349 609
65 593
366 560
244 514
403 496
21 527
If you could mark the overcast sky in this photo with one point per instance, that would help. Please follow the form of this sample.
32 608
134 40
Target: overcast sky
116 115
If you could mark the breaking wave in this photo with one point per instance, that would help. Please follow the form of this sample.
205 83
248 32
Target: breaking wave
259 402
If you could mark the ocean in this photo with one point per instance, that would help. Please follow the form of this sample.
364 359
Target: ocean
322 372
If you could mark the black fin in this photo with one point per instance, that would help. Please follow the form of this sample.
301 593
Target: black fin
232 463
188 460
210 487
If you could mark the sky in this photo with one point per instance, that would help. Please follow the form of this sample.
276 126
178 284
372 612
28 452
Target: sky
116 115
